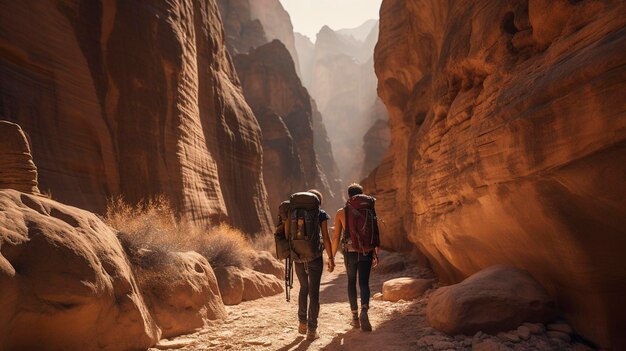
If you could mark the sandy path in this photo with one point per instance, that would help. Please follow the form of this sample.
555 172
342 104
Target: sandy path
271 323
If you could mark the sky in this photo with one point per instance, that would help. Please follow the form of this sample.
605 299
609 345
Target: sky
308 16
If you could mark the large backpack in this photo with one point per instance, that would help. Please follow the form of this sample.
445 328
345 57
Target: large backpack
303 227
361 223
283 249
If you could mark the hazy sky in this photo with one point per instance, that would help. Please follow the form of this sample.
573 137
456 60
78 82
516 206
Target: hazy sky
308 16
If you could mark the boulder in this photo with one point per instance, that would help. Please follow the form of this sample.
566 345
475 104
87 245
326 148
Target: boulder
405 288
264 262
230 283
496 299
17 169
237 285
257 285
183 294
65 281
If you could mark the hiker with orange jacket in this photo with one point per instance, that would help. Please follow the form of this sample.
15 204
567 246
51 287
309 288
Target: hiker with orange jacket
356 228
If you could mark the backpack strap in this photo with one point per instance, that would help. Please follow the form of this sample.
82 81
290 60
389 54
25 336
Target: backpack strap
346 230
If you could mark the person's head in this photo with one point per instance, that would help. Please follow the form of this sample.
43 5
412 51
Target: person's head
355 189
316 193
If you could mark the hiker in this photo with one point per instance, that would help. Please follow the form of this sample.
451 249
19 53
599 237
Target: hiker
306 251
360 241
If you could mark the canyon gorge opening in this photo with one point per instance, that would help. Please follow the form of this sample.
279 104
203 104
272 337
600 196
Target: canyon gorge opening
145 148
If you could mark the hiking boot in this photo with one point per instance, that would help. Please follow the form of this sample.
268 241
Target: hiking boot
355 323
302 328
312 335
365 321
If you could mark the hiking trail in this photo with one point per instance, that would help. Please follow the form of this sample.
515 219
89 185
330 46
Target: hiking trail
271 323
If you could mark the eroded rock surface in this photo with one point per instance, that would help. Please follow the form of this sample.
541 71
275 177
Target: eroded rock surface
283 107
405 288
508 130
65 282
493 300
244 284
17 169
182 293
133 98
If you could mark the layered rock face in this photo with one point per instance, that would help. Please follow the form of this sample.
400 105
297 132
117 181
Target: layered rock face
338 71
251 23
283 107
297 152
508 129
17 170
133 98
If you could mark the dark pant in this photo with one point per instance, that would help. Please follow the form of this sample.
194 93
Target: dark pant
310 275
357 262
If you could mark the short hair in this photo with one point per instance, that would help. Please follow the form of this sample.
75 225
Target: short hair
355 189
316 193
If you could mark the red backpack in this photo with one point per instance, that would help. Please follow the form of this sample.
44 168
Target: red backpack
361 223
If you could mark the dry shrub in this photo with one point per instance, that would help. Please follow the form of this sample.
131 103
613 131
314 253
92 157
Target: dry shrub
224 246
151 230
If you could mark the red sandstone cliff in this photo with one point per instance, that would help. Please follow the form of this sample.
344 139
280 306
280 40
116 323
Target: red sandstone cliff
283 107
297 151
134 98
508 124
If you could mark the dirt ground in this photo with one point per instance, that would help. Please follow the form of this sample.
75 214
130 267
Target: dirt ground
271 323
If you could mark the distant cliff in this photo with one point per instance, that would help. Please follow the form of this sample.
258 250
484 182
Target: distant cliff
284 110
338 70
298 155
508 125
135 99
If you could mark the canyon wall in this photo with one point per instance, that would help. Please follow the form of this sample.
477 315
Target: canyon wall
293 133
283 108
135 99
508 125
251 23
338 71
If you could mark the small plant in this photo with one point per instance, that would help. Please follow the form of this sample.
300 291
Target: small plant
151 230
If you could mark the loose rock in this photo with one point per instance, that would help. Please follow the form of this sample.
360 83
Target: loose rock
399 289
495 299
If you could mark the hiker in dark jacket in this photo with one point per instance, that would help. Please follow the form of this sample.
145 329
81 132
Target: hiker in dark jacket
358 261
310 275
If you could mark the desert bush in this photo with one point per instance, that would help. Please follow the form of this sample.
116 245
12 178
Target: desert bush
224 246
151 230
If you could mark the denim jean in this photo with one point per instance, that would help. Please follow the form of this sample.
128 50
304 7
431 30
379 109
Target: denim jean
309 275
358 262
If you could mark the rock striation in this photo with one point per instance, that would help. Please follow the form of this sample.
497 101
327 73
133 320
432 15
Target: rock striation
297 152
134 99
17 169
283 108
508 146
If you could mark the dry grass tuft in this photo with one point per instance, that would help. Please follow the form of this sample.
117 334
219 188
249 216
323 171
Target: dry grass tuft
150 232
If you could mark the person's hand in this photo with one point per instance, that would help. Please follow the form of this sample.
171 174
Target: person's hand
331 265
